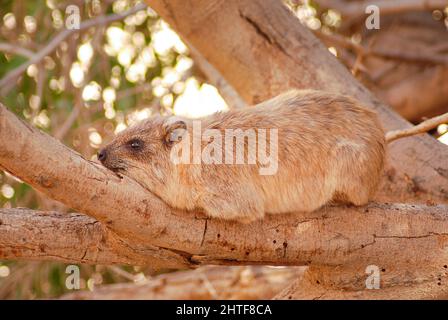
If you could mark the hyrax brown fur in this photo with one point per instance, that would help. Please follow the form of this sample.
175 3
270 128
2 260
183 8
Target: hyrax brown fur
329 148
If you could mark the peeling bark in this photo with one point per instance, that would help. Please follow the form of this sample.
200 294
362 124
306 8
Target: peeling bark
385 235
70 238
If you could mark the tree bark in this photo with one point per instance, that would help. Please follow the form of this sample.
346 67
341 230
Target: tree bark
70 238
312 286
386 235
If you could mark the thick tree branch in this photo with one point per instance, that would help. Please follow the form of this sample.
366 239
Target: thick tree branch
71 238
41 235
229 94
424 94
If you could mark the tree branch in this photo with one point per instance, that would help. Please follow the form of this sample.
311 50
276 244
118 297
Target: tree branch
250 282
12 48
425 93
71 238
311 286
423 127
229 94
417 57
144 220
423 291
356 9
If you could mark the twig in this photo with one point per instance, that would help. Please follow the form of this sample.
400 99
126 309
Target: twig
356 9
423 127
208 285
40 85
62 131
61 36
133 91
122 273
420 57
10 48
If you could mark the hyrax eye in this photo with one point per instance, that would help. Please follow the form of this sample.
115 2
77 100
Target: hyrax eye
135 144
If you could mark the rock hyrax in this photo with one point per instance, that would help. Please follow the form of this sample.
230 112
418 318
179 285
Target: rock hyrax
328 147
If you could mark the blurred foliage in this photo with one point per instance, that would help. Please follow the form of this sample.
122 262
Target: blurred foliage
97 81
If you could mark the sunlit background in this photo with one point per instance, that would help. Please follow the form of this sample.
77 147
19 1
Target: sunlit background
96 83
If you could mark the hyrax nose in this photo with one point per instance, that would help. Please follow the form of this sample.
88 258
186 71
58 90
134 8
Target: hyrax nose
102 155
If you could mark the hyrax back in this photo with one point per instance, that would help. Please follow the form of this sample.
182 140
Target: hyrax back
328 148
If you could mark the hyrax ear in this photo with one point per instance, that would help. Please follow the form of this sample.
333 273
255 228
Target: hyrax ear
174 129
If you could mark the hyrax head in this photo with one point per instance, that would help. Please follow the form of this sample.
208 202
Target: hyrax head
142 151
